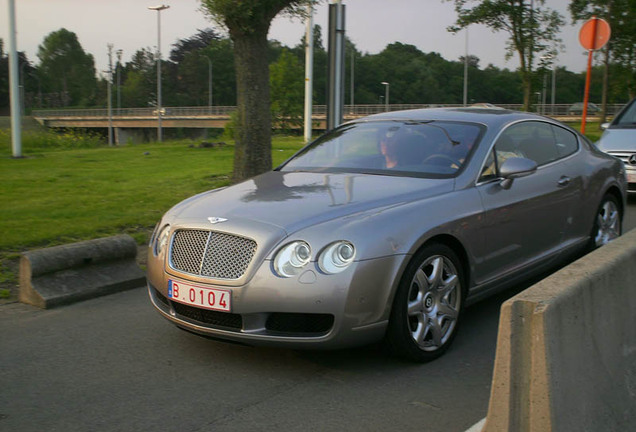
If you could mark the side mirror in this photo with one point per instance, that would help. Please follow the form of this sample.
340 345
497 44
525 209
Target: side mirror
605 126
515 168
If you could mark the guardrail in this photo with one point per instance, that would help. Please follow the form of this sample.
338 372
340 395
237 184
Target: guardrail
318 110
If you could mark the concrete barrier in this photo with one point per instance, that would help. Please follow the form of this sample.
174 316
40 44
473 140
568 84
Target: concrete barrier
70 273
566 349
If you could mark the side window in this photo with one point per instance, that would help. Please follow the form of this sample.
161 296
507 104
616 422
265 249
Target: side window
507 147
566 141
536 141
489 171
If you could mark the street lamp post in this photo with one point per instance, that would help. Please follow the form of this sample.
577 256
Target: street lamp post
110 98
118 67
209 84
22 90
386 95
466 69
553 92
16 124
158 57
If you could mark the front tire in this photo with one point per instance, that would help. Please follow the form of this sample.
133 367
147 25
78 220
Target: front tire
427 306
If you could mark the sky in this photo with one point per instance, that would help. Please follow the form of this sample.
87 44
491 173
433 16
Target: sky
370 24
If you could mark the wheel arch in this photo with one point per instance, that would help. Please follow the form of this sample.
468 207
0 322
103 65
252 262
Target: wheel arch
615 191
457 246
394 337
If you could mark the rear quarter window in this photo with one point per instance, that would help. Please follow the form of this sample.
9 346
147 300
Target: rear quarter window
566 141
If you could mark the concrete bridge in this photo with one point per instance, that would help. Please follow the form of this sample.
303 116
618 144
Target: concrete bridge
129 122
190 117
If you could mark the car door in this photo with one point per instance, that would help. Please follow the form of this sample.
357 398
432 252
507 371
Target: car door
526 223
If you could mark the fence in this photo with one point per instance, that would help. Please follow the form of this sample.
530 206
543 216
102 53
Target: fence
318 110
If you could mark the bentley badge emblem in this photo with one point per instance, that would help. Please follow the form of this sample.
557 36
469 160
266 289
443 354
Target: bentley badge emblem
215 220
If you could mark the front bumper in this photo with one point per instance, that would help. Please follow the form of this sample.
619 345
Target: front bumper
312 310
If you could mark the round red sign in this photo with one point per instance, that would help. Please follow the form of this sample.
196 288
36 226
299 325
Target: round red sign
594 34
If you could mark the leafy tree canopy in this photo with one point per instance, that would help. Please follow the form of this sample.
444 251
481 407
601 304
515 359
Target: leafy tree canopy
197 42
66 68
532 29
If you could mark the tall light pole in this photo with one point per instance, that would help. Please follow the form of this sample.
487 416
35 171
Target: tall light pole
118 67
386 95
466 70
158 58
21 86
309 71
110 98
553 92
16 123
549 60
353 52
209 84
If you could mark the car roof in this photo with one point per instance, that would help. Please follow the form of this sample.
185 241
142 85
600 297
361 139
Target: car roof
487 116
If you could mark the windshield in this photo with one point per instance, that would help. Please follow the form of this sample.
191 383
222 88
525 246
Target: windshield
435 149
627 117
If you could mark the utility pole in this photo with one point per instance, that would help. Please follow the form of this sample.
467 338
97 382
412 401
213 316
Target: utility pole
118 69
209 84
158 58
466 69
109 94
16 123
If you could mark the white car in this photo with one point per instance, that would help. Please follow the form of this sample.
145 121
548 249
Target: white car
619 139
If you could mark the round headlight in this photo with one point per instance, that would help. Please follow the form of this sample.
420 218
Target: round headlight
161 240
291 259
337 257
154 234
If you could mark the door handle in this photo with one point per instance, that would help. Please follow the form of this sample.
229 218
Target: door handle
564 181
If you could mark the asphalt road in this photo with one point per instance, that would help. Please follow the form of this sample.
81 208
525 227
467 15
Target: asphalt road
113 364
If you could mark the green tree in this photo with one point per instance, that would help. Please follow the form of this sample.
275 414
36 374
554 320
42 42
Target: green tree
532 30
199 41
624 44
138 79
286 78
621 48
248 23
66 68
320 65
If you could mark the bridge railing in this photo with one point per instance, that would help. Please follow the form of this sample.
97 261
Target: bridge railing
137 112
318 110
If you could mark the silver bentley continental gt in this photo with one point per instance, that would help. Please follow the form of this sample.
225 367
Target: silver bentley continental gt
385 229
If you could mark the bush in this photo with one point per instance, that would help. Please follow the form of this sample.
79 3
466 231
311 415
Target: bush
229 132
52 140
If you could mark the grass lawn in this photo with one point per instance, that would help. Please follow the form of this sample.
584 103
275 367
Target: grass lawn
56 196
592 129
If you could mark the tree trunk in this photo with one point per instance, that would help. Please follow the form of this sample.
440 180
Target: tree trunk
253 149
526 82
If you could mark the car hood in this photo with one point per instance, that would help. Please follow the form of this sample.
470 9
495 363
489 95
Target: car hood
292 201
618 139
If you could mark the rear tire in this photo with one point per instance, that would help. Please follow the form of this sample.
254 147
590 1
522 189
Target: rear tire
427 305
607 222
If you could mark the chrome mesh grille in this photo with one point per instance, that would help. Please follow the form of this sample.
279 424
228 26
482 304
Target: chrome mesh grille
211 254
